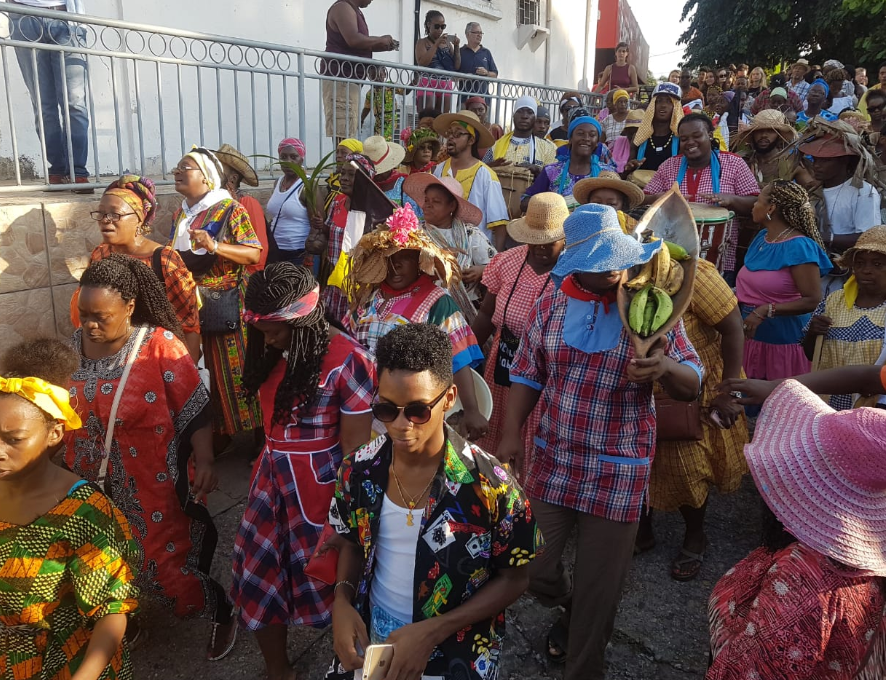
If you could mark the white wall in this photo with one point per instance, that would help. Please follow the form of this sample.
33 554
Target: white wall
297 23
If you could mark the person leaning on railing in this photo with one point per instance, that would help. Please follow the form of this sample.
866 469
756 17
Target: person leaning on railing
347 33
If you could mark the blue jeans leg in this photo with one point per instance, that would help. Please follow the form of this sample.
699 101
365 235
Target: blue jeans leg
50 79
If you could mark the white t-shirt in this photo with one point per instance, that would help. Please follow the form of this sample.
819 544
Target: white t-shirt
392 586
842 103
292 226
851 210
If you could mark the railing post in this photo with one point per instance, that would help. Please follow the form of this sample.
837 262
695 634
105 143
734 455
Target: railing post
302 109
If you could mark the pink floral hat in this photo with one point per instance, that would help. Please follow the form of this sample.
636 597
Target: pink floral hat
823 473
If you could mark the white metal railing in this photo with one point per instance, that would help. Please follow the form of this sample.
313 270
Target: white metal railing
150 92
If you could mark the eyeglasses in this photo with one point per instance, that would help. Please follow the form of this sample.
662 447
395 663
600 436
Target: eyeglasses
113 217
183 169
417 414
456 134
480 33
441 27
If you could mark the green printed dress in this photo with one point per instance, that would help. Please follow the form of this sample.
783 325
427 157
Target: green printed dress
59 575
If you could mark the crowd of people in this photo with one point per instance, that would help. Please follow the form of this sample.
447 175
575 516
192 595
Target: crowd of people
443 398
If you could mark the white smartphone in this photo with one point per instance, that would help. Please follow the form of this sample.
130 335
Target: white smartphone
377 661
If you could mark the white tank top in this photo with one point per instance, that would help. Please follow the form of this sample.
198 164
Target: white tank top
393 584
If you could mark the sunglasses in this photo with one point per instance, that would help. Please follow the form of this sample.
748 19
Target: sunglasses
417 414
441 27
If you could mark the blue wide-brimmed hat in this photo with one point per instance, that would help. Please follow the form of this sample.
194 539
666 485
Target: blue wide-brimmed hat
595 243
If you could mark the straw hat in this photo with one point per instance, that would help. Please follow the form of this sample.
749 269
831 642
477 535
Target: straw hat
768 119
596 243
417 183
484 136
873 240
543 222
635 117
386 155
402 231
801 62
823 474
228 155
608 180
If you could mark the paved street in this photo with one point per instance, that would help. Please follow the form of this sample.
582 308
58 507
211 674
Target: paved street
661 631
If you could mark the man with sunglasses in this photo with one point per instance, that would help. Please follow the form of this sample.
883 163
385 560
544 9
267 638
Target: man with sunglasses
435 534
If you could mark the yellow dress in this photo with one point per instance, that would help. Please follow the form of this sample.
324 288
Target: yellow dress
855 338
683 471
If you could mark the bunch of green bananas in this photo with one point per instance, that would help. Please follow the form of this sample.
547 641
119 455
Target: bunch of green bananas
650 310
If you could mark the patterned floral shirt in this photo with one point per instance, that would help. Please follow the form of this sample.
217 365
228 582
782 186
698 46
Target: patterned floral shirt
476 523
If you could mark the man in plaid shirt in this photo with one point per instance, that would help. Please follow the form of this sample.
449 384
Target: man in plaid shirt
596 440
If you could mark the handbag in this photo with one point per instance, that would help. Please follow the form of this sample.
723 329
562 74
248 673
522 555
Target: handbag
220 312
323 565
677 421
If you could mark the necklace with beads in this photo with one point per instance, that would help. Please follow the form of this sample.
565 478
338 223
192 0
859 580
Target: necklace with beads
664 146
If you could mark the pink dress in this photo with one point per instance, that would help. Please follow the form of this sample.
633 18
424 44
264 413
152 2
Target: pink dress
775 351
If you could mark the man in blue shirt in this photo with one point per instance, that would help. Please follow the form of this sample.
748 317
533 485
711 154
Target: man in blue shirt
476 60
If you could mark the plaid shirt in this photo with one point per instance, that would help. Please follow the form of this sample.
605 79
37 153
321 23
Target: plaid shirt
801 89
596 439
736 178
761 102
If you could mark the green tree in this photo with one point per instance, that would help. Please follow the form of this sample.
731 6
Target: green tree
767 32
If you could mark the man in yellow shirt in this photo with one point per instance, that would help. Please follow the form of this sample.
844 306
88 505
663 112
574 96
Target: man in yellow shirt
520 146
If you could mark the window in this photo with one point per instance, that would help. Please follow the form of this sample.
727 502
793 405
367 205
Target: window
527 12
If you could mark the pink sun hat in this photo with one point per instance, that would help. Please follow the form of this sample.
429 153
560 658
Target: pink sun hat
823 474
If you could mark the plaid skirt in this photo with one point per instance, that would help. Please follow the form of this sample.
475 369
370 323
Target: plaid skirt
288 503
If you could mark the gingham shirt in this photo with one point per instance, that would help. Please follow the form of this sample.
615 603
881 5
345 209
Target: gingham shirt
736 178
801 89
596 439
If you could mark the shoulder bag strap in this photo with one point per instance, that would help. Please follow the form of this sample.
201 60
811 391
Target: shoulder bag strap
295 188
109 436
157 265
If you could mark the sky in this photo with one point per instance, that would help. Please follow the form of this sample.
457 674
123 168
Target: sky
660 22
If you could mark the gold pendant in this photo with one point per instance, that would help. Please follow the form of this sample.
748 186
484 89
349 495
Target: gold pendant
409 521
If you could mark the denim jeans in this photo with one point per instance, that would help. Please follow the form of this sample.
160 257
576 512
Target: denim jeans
50 80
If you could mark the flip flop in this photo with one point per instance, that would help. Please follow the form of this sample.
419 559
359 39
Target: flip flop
558 641
686 565
231 642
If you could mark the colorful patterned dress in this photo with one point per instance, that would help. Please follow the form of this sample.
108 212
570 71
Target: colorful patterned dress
855 338
224 352
683 471
775 351
476 523
148 477
291 492
59 575
794 614
424 302
335 301
516 287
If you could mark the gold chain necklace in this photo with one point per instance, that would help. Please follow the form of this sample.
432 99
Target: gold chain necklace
411 502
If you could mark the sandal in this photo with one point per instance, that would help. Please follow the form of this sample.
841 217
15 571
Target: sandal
558 640
232 639
686 565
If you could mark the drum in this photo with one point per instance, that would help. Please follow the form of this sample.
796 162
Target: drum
514 183
712 222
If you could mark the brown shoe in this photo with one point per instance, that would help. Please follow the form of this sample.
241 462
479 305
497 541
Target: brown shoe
83 180
59 179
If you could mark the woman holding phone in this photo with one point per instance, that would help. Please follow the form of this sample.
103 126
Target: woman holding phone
440 51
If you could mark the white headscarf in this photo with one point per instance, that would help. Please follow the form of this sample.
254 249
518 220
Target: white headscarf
210 166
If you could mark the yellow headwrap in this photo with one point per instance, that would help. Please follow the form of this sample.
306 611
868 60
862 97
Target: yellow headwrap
644 132
352 145
51 398
133 201
620 94
467 126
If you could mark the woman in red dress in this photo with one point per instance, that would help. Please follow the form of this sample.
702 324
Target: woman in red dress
147 438
316 403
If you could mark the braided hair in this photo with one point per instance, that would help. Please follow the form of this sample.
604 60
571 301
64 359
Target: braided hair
134 280
278 286
793 203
